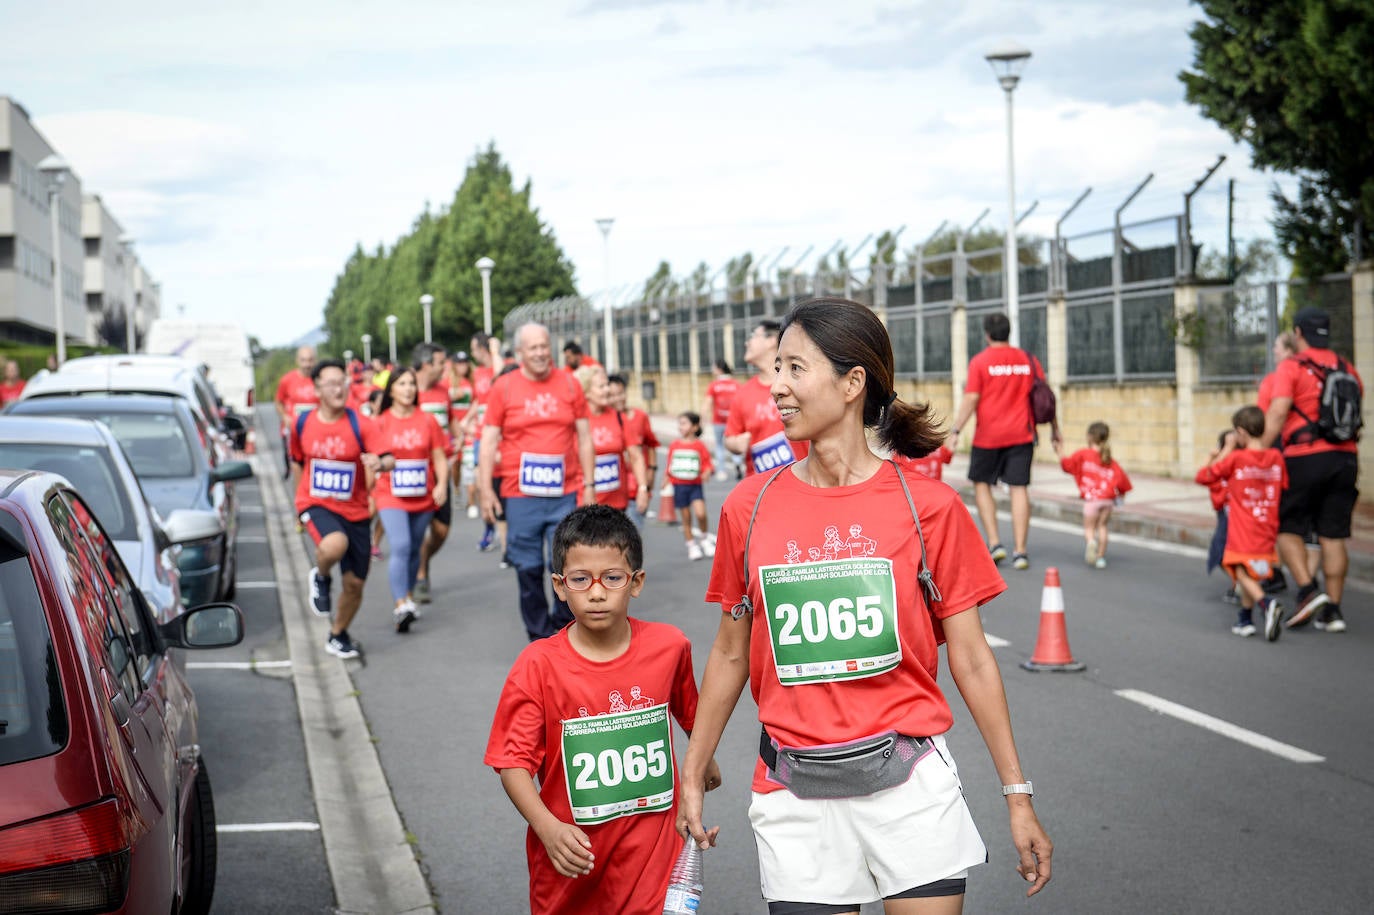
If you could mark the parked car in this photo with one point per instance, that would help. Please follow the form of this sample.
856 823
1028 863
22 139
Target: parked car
105 801
88 455
188 483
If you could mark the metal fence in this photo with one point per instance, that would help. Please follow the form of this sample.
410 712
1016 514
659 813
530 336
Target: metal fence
1236 325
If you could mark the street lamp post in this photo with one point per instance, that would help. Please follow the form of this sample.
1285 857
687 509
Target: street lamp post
484 266
608 355
367 348
427 302
391 331
127 243
55 168
1008 60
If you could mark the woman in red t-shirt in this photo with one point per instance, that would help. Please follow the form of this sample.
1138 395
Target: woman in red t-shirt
720 394
615 443
839 575
407 496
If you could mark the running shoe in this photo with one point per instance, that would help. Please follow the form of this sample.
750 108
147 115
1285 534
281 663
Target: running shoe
404 615
472 511
505 562
1330 619
1244 626
421 591
1020 561
319 592
488 539
694 551
708 544
999 553
721 476
1100 562
1273 618
1090 552
341 646
1310 600
1276 583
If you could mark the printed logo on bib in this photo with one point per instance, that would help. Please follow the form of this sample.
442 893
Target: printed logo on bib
410 478
774 451
685 465
541 474
618 764
332 479
832 619
607 472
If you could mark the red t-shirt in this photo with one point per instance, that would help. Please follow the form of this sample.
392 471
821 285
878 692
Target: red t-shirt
411 440
754 411
722 393
1001 376
9 393
611 436
1096 481
1295 379
435 402
296 393
538 423
931 465
686 454
798 523
1255 479
551 683
333 475
638 419
359 393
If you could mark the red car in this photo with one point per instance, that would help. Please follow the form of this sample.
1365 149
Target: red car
105 803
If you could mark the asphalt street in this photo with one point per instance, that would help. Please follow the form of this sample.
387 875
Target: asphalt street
1150 812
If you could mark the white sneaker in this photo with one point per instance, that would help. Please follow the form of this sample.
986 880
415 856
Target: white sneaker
472 511
694 551
708 544
720 476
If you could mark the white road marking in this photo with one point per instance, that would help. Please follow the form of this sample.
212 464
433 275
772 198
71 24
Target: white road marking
234 665
995 642
252 538
1224 728
257 584
250 508
268 827
1158 546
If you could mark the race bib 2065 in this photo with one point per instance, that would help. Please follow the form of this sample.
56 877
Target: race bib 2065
618 764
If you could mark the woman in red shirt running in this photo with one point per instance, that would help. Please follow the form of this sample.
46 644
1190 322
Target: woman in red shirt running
615 443
407 496
839 575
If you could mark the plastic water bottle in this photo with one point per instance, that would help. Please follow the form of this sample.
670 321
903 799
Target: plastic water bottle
684 883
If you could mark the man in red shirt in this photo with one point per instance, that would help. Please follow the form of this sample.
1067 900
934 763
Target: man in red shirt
574 358
335 456
428 360
1321 473
12 386
754 427
538 418
636 424
720 394
295 395
998 391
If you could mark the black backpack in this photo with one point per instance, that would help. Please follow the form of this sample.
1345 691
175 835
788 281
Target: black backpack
1338 418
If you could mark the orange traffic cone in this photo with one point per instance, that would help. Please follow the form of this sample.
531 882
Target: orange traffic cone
667 514
250 443
1052 645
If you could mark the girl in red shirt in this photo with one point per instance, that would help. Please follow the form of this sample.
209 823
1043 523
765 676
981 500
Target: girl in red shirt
689 464
407 496
615 443
1101 482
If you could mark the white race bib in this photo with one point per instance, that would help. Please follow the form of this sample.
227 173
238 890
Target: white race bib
410 478
607 472
541 474
332 479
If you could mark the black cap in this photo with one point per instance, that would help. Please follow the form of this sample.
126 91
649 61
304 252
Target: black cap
460 356
1315 325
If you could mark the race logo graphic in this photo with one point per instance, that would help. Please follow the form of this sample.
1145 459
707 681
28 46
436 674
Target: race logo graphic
766 411
834 545
618 703
406 439
541 406
602 437
331 448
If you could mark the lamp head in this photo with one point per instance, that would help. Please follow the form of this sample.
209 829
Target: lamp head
367 338
426 300
55 169
390 320
605 224
485 264
1007 60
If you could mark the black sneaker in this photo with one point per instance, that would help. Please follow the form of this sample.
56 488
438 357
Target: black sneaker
1020 561
1330 619
341 646
999 553
1273 618
1276 583
404 615
1310 600
319 592
1244 626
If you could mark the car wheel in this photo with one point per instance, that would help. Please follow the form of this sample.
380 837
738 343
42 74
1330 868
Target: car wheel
231 587
201 847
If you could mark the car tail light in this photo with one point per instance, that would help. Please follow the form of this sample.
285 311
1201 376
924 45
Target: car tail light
76 861
250 397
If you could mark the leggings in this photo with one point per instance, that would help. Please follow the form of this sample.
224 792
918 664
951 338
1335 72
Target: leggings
405 531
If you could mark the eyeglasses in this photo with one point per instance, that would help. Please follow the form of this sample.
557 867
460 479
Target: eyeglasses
582 580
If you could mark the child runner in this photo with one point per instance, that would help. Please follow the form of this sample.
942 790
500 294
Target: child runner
689 464
1217 493
1101 481
582 710
932 465
1255 477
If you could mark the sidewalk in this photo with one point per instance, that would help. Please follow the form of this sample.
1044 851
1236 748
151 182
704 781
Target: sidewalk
1158 508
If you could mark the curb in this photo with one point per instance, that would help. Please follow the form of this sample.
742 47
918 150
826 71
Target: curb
372 866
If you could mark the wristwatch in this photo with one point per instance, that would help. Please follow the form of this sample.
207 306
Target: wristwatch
1023 788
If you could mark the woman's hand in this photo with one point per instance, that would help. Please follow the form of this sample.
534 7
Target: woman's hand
689 810
440 495
1032 845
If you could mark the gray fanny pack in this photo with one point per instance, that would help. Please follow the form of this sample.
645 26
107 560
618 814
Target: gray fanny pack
855 769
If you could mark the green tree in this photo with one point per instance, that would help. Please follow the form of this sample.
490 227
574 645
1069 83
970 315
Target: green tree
1293 80
661 284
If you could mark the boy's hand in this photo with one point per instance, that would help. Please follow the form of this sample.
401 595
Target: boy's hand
712 780
568 849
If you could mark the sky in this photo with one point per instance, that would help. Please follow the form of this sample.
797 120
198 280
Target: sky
249 146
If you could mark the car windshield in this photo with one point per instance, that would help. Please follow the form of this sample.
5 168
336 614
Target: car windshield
155 444
91 470
33 719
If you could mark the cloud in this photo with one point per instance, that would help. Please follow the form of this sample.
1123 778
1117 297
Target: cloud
594 7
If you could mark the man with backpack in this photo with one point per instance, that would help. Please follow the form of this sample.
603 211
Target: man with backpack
1315 418
999 389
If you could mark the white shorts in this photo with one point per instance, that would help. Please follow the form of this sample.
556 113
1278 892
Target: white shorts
862 849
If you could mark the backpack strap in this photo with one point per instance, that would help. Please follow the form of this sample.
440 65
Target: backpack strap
352 421
1311 432
746 605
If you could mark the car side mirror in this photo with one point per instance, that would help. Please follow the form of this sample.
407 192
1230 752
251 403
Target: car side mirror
187 524
231 470
205 626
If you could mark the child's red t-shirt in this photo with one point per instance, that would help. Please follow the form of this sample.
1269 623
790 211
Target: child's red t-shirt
931 465
1254 480
1096 481
686 455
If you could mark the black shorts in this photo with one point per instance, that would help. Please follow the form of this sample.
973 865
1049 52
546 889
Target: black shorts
444 513
1011 465
1321 494
953 886
321 522
684 494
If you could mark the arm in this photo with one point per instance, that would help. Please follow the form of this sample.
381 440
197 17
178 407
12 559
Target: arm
727 670
486 464
440 461
979 680
586 456
967 406
737 444
635 456
568 848
1274 418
